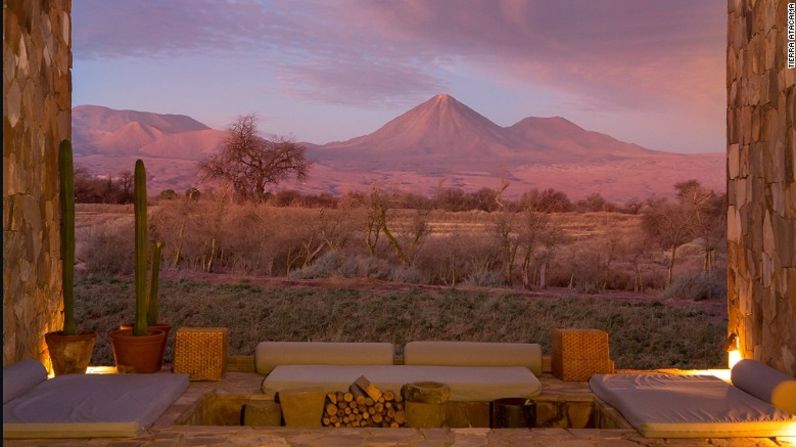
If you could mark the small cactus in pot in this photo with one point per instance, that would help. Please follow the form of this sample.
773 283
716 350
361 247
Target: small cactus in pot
70 350
139 349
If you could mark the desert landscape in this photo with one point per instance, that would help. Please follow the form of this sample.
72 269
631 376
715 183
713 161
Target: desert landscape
441 142
438 225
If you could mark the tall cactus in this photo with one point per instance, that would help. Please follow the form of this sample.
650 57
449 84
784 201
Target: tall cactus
67 175
141 239
152 308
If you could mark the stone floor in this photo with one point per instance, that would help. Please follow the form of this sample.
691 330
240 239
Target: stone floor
165 433
186 435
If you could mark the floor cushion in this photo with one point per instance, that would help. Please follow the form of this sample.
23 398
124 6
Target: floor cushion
270 354
467 384
91 405
674 406
465 353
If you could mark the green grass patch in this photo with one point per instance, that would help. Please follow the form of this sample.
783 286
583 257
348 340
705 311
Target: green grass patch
643 335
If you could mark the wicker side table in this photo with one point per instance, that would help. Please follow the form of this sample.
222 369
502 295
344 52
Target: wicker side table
579 353
201 352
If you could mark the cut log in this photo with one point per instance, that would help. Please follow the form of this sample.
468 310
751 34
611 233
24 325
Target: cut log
331 409
348 397
400 417
389 396
368 388
426 392
368 402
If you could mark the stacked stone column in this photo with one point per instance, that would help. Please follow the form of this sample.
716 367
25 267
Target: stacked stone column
37 86
761 168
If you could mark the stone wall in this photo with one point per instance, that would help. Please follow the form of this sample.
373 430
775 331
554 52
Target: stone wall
761 150
37 86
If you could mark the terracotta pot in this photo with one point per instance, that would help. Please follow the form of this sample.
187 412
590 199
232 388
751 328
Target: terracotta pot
70 354
138 354
162 326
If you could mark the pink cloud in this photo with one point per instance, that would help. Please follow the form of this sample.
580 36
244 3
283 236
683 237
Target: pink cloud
618 54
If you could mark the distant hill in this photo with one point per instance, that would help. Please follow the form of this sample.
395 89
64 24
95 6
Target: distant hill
440 141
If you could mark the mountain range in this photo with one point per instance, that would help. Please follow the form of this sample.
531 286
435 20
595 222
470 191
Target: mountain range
439 142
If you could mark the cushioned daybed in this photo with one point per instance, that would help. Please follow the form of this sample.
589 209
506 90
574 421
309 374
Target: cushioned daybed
475 372
674 406
83 406
467 383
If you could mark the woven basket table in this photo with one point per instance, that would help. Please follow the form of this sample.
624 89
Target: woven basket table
201 352
579 353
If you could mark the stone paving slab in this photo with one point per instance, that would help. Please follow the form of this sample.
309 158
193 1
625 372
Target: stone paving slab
194 436
165 433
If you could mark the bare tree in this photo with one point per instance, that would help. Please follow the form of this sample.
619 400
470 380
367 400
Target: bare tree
509 244
706 209
670 225
251 164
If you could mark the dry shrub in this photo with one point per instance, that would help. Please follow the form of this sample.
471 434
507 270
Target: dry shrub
338 264
107 248
251 239
450 260
698 286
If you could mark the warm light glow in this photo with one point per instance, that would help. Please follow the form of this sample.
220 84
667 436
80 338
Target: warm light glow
92 370
734 357
101 370
723 374
789 437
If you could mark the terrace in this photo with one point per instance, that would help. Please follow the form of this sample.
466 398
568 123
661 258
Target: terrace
761 230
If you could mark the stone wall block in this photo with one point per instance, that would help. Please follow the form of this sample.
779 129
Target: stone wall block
761 221
36 117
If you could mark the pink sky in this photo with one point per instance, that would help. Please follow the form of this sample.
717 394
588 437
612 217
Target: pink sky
648 72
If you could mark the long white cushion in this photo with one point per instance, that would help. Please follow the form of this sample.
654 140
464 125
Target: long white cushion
467 384
766 384
270 354
22 377
81 405
673 406
462 353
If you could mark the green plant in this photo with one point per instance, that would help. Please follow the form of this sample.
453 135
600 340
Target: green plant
152 308
141 239
67 175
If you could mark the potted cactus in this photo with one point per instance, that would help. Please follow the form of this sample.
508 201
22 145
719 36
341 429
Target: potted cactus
140 348
152 310
70 350
153 303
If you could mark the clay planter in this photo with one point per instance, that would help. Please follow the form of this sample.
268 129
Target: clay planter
162 326
138 354
70 354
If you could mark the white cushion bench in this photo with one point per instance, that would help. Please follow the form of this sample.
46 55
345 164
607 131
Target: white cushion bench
83 405
475 372
675 406
467 383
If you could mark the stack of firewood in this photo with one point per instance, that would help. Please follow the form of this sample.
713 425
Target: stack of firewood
364 405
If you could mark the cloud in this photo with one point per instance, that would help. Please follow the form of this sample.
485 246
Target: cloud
146 28
618 54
